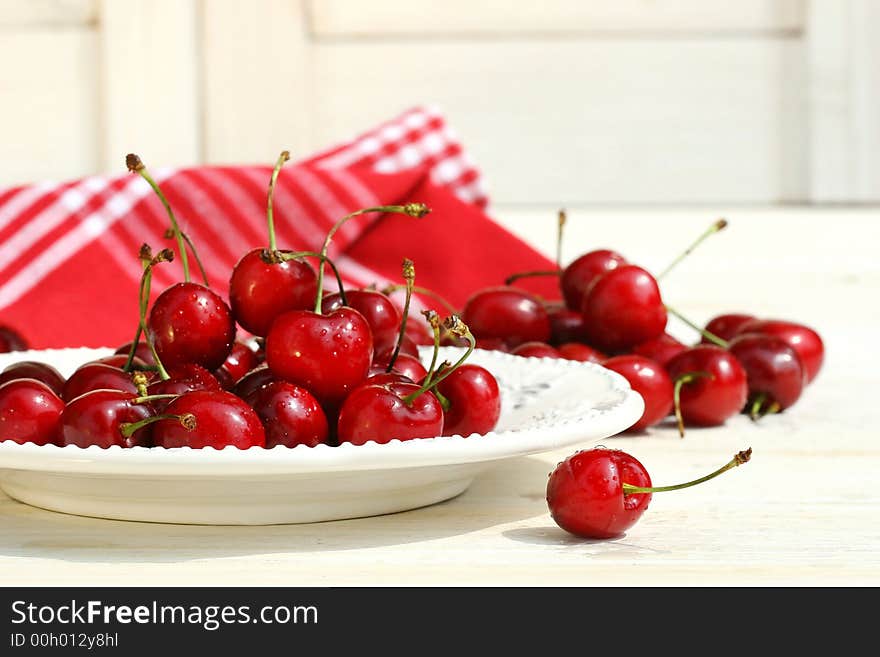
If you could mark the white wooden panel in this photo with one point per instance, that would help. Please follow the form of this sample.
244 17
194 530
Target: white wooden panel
256 80
49 126
47 12
412 17
151 86
844 100
563 121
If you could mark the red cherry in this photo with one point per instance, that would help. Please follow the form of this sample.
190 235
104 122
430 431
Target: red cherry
260 291
582 272
119 360
11 340
776 376
536 350
142 351
328 354
382 352
407 365
418 332
290 415
726 326
506 313
30 412
804 340
623 308
97 376
382 413
96 418
715 386
189 323
188 377
580 352
30 369
661 349
224 378
586 497
474 401
566 325
650 380
241 360
600 493
253 380
378 309
221 420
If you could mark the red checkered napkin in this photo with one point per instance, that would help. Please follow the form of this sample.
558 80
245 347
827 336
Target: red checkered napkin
69 270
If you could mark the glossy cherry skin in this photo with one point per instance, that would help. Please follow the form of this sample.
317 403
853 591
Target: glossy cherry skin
188 377
661 349
804 340
119 360
224 378
11 340
189 323
566 325
328 355
142 351
709 401
650 380
385 350
585 493
581 352
623 308
377 308
772 367
97 376
241 360
536 350
95 418
725 326
418 331
30 412
583 271
259 292
253 380
508 314
405 364
379 413
290 415
222 420
474 401
30 369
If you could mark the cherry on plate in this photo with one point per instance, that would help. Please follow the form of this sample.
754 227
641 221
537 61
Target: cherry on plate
30 412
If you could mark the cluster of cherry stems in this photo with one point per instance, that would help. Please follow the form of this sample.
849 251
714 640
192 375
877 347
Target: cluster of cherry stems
345 367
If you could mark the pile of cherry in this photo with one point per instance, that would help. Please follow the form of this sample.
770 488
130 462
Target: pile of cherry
318 369
345 367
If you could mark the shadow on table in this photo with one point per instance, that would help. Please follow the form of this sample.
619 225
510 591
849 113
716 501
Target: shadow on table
510 491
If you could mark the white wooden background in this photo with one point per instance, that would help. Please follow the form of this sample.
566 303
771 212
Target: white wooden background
559 101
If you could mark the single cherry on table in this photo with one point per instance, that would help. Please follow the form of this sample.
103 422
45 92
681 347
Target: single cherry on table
600 493
775 373
650 380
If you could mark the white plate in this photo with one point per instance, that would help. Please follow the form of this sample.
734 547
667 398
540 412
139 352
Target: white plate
546 404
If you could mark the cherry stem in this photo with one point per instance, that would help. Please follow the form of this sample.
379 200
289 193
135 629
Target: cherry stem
143 399
187 421
531 274
683 379
134 164
424 292
270 213
458 328
719 225
757 409
409 275
274 257
434 322
738 459
417 210
166 255
561 219
195 255
140 381
711 337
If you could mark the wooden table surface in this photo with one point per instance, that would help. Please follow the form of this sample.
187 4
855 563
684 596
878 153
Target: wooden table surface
804 511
